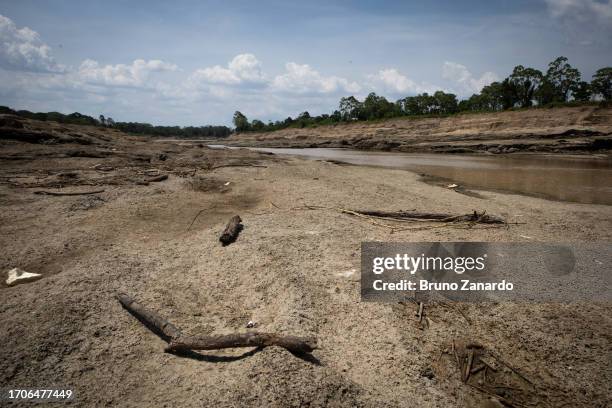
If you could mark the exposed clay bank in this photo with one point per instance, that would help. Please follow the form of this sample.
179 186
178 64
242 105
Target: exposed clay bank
583 130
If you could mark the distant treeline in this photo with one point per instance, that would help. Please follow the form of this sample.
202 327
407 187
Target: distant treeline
77 118
525 87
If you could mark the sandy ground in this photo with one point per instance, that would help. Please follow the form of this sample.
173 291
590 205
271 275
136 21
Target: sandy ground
570 130
292 270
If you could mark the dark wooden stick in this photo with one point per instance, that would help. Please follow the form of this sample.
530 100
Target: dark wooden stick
468 367
251 339
67 193
152 320
161 177
177 341
231 231
237 165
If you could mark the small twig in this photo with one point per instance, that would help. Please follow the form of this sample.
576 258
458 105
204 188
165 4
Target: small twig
456 355
457 309
67 193
489 365
238 165
514 370
477 369
197 215
468 367
500 398
420 312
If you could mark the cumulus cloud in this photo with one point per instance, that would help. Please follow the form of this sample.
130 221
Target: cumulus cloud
582 10
392 81
135 74
243 68
464 79
244 71
21 49
304 79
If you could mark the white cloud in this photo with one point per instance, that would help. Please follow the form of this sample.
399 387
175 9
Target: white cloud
464 79
582 10
392 81
303 79
135 75
244 68
22 49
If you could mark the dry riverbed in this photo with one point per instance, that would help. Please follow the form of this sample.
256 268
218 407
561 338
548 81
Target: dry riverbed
292 270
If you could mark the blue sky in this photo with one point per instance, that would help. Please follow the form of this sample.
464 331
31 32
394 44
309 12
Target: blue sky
196 62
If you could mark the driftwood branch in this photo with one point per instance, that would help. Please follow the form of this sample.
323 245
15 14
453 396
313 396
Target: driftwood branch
251 339
231 231
440 217
179 342
428 220
67 193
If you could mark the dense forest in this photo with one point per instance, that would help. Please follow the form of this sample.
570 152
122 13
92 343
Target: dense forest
129 127
560 85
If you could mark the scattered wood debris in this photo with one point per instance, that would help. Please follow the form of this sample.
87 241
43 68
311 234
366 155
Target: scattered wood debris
180 342
231 231
479 368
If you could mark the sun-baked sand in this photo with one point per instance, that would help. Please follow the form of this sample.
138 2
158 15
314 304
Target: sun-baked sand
292 270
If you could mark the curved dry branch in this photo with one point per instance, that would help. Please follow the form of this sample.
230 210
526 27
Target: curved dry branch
179 342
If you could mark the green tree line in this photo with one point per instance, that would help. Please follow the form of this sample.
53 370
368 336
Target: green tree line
523 88
77 118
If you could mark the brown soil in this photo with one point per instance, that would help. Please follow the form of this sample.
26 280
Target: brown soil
567 130
292 270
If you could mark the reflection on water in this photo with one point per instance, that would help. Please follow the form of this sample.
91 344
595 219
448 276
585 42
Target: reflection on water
582 179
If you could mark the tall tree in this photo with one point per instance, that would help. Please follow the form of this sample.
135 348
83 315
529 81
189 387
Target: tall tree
257 125
350 108
445 103
376 107
496 96
563 77
526 81
241 123
509 94
602 83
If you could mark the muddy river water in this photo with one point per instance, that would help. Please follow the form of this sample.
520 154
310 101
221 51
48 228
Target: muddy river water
582 179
